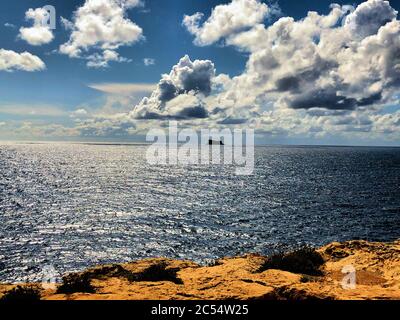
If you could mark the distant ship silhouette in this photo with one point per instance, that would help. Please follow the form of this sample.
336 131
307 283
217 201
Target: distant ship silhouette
212 142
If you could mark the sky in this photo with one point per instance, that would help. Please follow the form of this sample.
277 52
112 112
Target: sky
297 72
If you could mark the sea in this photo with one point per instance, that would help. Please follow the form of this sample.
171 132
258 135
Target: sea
65 207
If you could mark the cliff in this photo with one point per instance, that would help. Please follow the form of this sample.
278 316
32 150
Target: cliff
319 274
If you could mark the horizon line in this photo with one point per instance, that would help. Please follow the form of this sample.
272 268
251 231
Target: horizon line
133 143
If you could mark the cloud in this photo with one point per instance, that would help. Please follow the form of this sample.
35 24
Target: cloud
314 77
102 60
32 110
179 93
149 62
338 61
67 25
184 106
30 130
25 61
325 98
323 77
80 113
230 120
38 34
116 99
123 88
116 127
9 25
225 20
369 16
101 25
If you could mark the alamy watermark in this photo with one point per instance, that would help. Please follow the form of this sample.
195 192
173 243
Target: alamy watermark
49 18
202 147
50 277
349 280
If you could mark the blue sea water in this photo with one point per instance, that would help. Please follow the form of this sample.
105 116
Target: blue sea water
74 205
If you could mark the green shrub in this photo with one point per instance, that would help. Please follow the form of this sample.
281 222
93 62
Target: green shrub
305 278
73 283
305 260
157 272
22 293
81 282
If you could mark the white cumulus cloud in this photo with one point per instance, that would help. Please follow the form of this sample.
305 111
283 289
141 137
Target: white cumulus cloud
325 76
102 26
370 16
25 61
317 62
179 93
225 20
38 34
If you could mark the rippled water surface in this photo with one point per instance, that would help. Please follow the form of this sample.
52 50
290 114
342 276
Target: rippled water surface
72 206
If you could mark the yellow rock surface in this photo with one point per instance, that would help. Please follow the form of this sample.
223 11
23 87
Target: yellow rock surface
377 267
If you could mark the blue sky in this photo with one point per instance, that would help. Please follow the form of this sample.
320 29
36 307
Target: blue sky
50 96
65 80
